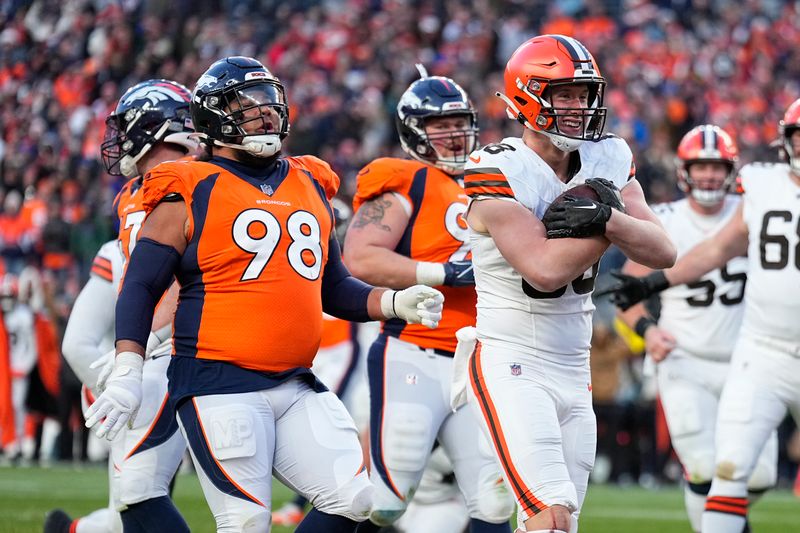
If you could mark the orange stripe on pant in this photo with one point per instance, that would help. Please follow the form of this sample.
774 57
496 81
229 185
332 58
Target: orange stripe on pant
208 444
383 421
527 500
150 429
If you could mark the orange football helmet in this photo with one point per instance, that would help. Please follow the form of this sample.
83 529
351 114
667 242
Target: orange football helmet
707 144
786 127
535 69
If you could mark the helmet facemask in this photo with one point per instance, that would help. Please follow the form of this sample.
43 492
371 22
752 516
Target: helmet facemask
590 120
706 197
254 116
432 147
786 135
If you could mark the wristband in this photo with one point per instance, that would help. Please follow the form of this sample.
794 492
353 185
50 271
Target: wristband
642 324
387 304
129 361
430 274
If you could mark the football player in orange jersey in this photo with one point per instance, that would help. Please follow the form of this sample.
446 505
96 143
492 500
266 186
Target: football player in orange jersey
249 235
150 124
338 364
409 229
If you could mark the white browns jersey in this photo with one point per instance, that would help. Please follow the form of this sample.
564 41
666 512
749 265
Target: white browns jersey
772 215
704 316
557 325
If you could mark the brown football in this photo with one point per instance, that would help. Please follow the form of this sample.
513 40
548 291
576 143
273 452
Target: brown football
579 191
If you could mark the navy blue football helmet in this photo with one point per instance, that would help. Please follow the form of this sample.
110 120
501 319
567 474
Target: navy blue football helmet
150 112
240 104
434 97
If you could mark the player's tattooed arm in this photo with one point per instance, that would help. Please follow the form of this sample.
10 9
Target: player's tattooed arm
371 241
373 213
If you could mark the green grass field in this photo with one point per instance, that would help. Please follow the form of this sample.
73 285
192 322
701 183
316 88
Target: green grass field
26 494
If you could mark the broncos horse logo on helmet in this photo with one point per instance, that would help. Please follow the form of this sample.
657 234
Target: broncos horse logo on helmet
239 104
434 97
150 112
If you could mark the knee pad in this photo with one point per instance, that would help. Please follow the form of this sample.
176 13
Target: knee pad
406 437
136 486
495 503
352 500
763 477
257 523
699 467
385 517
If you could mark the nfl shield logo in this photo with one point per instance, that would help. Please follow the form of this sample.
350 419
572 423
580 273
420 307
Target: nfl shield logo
267 189
516 369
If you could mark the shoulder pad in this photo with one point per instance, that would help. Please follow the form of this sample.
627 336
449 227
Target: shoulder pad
387 174
320 170
167 179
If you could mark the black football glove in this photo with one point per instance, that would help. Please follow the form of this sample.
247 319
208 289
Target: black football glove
576 218
459 274
608 192
630 290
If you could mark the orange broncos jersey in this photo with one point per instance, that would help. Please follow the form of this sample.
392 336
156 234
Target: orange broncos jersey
436 232
129 209
251 274
131 212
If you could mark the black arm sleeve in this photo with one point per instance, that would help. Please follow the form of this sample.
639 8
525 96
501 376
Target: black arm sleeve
149 274
343 296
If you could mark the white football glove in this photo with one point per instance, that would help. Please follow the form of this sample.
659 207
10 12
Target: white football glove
416 305
121 399
154 340
107 362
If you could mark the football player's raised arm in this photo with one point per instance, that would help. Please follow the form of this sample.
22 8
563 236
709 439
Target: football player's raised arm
729 242
547 264
375 231
150 272
639 234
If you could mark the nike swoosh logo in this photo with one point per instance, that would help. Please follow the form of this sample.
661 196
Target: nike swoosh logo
475 159
585 207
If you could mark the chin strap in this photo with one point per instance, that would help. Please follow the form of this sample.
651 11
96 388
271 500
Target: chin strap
256 145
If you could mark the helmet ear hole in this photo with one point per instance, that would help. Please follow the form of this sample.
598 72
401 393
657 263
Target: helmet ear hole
520 100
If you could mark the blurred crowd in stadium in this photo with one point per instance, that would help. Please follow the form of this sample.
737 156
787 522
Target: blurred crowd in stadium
670 65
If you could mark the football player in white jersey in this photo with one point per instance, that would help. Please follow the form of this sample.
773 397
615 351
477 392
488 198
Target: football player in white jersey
529 374
764 376
694 337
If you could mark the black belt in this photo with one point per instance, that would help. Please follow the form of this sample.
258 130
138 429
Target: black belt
437 351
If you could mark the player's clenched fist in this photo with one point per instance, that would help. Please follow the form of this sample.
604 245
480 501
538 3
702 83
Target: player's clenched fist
416 305
121 399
